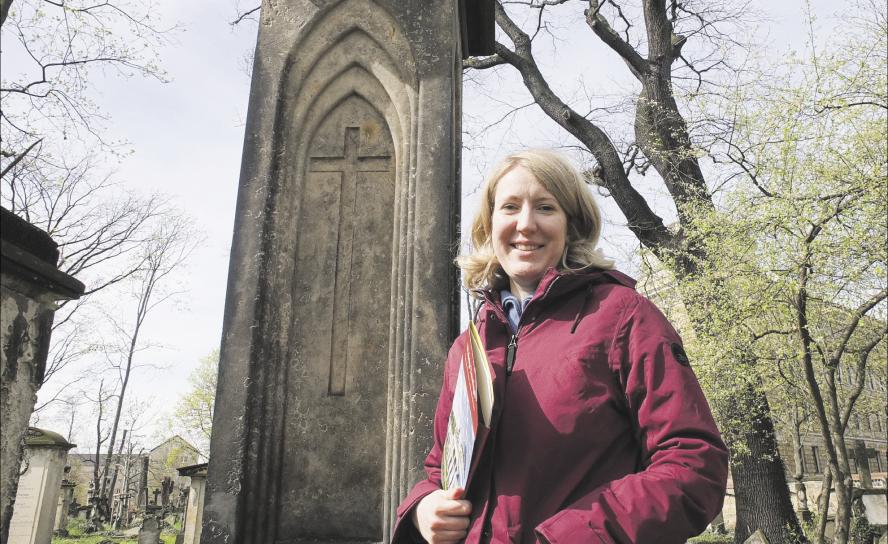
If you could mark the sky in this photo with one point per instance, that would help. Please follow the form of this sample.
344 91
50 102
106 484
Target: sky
187 137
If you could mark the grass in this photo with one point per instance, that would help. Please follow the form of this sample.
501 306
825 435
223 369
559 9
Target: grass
77 536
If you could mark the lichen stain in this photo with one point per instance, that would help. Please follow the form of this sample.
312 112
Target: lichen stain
370 130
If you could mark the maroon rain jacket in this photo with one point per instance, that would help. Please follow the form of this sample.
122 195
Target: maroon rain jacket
600 433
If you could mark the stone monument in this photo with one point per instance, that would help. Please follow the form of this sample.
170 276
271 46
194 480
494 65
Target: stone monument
191 527
66 496
342 296
37 497
30 286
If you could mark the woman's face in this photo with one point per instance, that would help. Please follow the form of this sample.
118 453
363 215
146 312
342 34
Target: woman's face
529 230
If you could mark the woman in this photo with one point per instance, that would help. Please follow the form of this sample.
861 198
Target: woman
600 431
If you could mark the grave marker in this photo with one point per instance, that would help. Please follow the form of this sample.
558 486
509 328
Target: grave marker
37 497
343 297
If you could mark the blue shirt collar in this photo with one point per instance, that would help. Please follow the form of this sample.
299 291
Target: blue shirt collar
513 308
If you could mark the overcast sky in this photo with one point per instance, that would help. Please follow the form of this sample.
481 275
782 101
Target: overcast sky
188 135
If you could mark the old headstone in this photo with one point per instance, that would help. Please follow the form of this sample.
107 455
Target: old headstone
66 495
758 537
194 507
342 297
875 506
149 533
30 285
37 497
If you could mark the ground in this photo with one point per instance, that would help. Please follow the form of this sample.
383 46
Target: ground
76 536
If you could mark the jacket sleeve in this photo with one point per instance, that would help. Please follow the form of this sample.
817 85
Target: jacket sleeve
680 487
404 531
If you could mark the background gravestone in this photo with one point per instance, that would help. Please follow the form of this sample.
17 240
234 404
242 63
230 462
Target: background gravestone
37 497
66 495
342 296
193 519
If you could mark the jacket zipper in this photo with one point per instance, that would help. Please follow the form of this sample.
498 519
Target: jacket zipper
512 348
510 353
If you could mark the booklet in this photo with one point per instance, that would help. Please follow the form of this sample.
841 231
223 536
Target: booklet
469 421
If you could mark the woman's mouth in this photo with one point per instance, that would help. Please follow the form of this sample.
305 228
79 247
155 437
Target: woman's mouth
526 246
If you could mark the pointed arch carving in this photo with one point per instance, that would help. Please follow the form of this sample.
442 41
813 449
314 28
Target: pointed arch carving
338 69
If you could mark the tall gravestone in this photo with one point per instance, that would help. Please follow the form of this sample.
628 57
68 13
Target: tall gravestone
31 285
342 297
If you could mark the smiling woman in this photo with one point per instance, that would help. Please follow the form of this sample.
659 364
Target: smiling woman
529 230
600 432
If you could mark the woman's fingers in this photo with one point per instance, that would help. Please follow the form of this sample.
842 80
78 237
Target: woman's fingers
449 523
443 516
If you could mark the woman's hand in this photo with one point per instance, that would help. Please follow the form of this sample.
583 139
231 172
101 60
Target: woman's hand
442 516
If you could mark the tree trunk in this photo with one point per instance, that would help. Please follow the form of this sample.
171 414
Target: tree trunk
804 513
844 488
760 483
823 506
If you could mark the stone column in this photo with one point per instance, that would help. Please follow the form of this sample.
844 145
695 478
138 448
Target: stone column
342 296
194 507
30 285
37 497
61 518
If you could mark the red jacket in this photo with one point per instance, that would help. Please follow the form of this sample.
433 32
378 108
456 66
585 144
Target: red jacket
601 432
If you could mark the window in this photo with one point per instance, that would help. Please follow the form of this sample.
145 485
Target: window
816 459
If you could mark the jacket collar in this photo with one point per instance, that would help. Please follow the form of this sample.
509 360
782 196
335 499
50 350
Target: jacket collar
556 283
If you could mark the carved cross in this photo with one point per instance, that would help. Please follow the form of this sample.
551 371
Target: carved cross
349 166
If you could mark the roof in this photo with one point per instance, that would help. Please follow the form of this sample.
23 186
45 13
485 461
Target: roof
175 438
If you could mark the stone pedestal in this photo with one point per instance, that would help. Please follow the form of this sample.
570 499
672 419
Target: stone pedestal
37 498
342 296
66 495
30 285
194 507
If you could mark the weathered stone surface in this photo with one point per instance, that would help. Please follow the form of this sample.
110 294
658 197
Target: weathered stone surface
149 533
875 507
37 496
66 495
30 285
758 537
191 527
342 295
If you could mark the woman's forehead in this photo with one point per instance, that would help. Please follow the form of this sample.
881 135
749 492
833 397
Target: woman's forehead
519 182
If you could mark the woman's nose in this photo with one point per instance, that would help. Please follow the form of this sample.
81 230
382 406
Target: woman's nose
526 220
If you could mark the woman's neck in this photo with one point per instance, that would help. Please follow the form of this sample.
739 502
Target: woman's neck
522 291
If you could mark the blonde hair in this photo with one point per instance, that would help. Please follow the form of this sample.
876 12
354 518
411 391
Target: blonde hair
480 267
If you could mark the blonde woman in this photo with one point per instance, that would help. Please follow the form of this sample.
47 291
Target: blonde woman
600 432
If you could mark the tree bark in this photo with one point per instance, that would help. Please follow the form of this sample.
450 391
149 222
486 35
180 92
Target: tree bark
759 478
